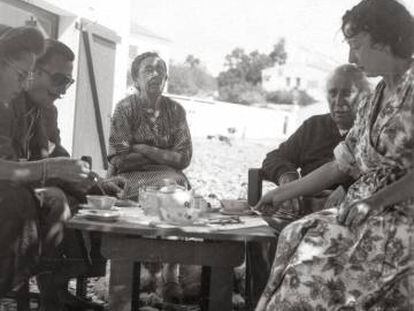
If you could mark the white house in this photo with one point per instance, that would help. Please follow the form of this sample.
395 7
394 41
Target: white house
304 70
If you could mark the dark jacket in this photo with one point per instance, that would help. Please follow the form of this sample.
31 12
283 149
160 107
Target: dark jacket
308 148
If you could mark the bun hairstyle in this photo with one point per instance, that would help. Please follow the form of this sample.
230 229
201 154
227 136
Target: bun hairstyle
16 41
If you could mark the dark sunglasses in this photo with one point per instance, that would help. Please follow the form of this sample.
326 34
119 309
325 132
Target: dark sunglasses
58 79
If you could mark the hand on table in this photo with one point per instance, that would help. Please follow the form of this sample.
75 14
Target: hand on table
113 186
69 170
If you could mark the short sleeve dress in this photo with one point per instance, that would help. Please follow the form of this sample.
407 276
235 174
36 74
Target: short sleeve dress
322 265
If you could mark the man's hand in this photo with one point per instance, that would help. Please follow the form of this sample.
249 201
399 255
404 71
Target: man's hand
288 177
114 185
72 171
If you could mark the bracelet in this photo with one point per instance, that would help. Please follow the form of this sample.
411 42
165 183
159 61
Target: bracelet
44 173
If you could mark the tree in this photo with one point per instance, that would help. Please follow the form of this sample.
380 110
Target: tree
244 73
191 78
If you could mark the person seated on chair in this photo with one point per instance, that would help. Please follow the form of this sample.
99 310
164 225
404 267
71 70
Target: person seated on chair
358 255
150 140
308 148
21 138
312 144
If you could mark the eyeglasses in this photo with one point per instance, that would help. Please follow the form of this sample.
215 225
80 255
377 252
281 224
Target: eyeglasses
24 76
59 80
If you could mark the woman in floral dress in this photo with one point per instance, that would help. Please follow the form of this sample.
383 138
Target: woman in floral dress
358 256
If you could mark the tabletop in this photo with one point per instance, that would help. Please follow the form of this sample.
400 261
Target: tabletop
256 229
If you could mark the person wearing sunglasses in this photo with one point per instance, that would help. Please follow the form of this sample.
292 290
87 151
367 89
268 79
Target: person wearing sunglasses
34 188
35 108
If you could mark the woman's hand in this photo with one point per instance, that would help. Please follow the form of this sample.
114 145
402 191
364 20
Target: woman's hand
268 203
130 162
140 148
335 198
353 214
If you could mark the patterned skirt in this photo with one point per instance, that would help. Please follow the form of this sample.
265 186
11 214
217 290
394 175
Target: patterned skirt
153 175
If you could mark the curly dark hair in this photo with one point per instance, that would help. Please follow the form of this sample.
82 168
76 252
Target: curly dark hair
138 60
16 41
387 21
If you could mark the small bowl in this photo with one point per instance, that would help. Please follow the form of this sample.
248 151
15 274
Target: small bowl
101 201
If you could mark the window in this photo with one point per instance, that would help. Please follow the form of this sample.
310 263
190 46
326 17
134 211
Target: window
297 82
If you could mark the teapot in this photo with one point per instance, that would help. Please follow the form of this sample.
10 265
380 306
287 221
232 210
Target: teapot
176 205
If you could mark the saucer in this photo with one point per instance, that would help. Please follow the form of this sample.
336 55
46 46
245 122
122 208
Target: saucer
86 206
100 215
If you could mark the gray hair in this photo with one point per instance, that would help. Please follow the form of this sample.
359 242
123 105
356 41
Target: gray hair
355 74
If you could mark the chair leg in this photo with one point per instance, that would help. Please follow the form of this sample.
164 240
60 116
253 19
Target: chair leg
81 284
205 287
136 284
23 297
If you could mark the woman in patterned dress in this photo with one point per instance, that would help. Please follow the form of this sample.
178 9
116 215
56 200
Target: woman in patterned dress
358 256
150 140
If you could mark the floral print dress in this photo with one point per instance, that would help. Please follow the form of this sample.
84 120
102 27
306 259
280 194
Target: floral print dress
322 265
165 129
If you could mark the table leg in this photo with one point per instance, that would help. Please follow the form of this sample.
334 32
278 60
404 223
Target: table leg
221 288
120 285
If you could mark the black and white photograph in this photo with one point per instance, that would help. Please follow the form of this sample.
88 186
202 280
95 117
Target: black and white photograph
207 155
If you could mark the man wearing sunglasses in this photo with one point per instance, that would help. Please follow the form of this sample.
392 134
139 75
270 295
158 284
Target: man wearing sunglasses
31 132
52 77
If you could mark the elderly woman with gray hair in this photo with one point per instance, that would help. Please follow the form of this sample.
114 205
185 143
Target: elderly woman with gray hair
150 141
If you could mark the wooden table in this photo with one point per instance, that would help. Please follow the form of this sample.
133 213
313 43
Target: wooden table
126 243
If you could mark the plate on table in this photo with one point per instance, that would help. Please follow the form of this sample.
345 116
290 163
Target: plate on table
100 215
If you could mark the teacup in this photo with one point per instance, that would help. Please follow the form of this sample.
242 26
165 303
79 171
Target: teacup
101 201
